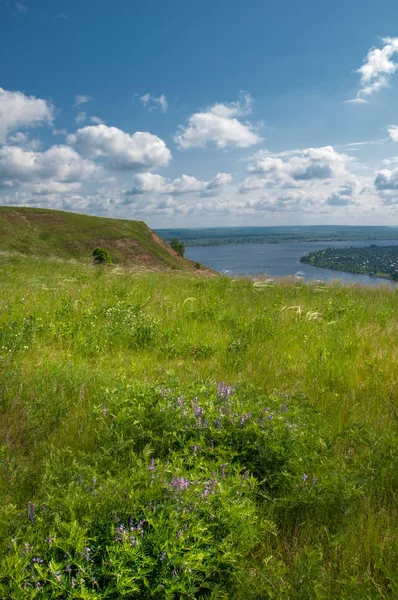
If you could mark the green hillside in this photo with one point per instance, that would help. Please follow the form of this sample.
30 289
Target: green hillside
169 437
53 233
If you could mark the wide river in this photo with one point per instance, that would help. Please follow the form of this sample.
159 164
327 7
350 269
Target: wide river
278 260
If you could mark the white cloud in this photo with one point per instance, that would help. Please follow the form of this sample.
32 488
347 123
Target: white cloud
139 151
393 132
18 138
97 120
297 166
219 125
378 68
344 196
21 8
22 139
81 99
54 187
355 101
152 184
387 179
18 110
152 102
81 117
63 132
58 163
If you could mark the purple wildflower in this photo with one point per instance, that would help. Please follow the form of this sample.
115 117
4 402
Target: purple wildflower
31 512
86 553
179 484
305 477
152 466
198 410
57 575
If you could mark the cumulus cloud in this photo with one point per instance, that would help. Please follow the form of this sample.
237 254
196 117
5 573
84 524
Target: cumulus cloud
393 132
378 68
81 99
344 196
387 179
58 163
18 110
294 201
123 151
219 125
150 183
299 165
22 139
153 103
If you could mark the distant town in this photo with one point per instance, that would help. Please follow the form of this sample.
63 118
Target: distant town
379 261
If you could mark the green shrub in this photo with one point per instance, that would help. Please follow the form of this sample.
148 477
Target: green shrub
178 247
101 256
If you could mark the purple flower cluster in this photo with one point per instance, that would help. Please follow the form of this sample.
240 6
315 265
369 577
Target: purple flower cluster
199 411
131 534
223 390
31 512
152 465
245 417
180 484
210 487
86 553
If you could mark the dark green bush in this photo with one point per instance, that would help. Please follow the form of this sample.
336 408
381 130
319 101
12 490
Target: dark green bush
178 246
102 256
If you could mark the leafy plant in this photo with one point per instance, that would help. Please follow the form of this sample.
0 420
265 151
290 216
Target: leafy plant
178 246
101 256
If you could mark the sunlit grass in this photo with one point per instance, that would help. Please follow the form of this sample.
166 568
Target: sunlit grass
306 507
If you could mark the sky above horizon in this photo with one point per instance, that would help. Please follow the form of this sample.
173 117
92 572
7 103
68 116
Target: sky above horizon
201 114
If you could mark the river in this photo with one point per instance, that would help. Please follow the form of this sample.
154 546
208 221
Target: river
278 260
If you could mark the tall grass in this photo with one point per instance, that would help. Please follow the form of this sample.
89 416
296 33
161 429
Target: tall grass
164 436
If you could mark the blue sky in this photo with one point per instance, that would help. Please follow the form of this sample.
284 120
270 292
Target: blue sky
210 113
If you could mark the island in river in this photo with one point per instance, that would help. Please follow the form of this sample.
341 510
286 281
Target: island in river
376 261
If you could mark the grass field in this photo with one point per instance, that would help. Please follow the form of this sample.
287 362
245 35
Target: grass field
54 233
168 436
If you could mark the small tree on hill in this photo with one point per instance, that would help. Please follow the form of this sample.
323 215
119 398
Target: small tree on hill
178 246
101 256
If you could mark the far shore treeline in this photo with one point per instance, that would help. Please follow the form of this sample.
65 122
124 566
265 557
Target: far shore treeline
221 236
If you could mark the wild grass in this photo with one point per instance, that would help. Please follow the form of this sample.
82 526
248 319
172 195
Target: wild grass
165 436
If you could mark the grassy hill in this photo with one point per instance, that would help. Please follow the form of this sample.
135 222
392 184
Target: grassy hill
172 437
53 233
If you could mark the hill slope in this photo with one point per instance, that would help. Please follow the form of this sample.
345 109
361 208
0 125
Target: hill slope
44 232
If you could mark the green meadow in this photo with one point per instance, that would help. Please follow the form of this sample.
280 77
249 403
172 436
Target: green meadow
169 436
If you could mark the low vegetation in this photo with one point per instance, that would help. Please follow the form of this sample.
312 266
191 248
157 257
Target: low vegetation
380 261
53 233
176 437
